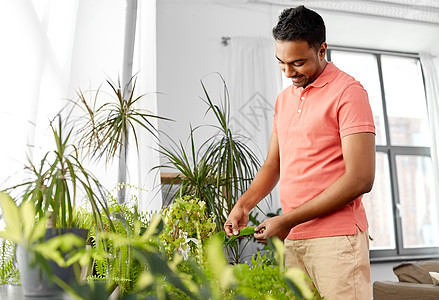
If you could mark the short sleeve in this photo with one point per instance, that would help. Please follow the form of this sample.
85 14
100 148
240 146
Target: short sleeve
354 112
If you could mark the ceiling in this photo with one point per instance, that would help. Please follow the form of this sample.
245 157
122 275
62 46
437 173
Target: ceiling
423 11
397 25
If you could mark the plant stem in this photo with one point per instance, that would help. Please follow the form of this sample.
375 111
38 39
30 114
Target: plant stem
122 172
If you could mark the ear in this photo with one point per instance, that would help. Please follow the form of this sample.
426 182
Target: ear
322 50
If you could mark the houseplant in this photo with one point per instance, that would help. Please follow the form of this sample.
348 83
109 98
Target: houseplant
187 228
116 266
218 171
30 236
59 180
107 121
212 278
158 276
54 187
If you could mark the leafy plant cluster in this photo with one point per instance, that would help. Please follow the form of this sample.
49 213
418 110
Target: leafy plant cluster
187 227
114 264
262 277
149 272
106 126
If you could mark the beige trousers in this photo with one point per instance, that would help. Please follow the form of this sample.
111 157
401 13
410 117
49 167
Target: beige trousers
339 266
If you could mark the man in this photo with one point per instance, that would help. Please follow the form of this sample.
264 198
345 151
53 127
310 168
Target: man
322 152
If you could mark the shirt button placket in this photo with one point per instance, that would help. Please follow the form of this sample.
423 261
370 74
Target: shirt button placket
302 98
299 110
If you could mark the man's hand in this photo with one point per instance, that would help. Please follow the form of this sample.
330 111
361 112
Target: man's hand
238 219
273 227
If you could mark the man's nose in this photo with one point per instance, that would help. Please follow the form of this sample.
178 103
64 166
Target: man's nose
289 71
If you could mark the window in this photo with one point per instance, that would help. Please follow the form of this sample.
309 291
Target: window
401 208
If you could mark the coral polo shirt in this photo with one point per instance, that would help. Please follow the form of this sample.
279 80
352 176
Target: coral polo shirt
310 123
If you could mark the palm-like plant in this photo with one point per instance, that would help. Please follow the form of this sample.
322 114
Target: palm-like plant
106 129
197 175
107 126
235 163
221 169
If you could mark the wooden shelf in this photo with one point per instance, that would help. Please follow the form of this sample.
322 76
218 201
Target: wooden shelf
169 177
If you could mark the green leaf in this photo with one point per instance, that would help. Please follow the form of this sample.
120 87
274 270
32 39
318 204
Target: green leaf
27 217
53 248
145 280
11 215
246 231
153 228
249 230
39 230
217 262
221 235
296 279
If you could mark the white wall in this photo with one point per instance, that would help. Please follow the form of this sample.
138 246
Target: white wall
189 47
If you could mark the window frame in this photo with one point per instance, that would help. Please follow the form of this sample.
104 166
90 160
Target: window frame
399 252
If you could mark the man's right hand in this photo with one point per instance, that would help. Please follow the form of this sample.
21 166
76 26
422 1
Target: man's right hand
238 219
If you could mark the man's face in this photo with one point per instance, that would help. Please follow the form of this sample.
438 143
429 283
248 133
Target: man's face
300 62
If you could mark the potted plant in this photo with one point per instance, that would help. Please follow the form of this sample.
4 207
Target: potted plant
37 247
164 265
220 170
101 131
54 187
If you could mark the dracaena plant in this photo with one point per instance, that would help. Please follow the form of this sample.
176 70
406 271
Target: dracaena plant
218 171
235 163
106 127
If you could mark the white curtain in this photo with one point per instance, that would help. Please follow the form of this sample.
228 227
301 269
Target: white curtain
50 49
432 92
254 80
35 60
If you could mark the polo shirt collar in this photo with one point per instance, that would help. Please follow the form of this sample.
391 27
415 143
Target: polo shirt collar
326 76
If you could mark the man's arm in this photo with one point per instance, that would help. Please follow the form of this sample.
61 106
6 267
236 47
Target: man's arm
359 156
264 181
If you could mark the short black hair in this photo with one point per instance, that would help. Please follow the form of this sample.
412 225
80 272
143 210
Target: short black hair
300 24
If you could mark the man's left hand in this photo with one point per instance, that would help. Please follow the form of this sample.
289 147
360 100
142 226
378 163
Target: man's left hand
273 227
